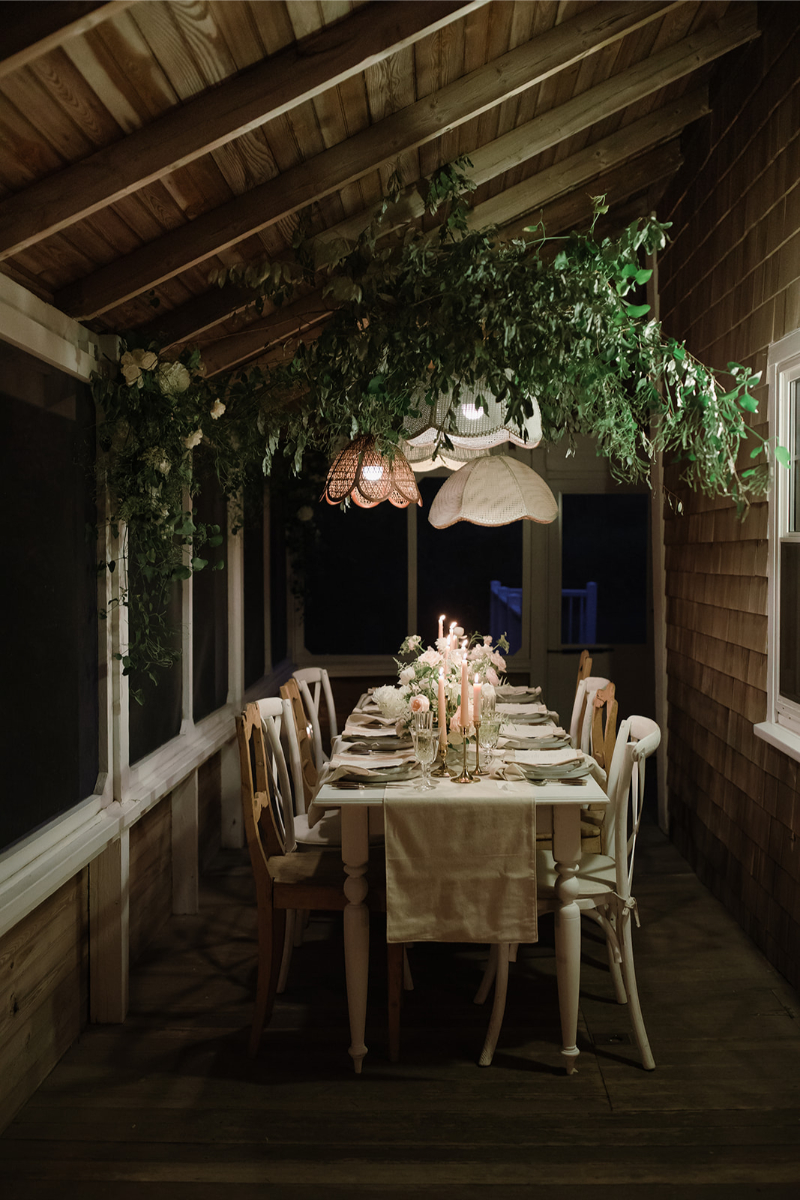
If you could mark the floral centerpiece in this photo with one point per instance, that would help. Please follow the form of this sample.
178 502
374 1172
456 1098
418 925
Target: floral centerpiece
419 671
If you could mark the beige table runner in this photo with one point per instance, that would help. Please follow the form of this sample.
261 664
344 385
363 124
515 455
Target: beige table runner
461 868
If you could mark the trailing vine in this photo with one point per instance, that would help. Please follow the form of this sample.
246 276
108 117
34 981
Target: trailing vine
416 313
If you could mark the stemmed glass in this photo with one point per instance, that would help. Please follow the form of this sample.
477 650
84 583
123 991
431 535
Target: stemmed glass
488 733
425 746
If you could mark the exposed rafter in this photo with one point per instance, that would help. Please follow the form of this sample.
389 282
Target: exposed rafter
524 142
30 30
301 185
181 135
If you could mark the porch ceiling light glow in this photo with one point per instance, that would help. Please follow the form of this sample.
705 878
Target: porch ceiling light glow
493 491
476 427
368 477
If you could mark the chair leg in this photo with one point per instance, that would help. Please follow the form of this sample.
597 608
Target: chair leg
271 931
488 976
300 926
289 942
499 1006
634 1008
408 980
395 957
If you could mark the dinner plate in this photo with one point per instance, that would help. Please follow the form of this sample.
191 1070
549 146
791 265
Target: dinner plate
381 774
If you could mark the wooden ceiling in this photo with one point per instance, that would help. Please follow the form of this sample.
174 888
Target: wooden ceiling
144 144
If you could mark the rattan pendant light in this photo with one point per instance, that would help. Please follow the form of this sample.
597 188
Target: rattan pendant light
368 477
478 422
493 491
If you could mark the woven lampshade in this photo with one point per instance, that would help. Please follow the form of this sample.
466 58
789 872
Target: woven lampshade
365 475
493 491
425 458
476 428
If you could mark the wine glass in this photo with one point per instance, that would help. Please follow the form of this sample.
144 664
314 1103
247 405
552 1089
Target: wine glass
488 733
425 746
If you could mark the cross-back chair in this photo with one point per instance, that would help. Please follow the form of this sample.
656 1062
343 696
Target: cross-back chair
314 683
309 770
604 881
584 667
290 876
580 722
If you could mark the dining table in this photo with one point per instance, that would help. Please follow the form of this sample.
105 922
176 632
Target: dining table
559 803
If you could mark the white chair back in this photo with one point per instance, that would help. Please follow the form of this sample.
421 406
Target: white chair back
314 683
278 726
637 739
580 726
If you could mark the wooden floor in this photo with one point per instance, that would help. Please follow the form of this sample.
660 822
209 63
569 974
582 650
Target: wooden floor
169 1105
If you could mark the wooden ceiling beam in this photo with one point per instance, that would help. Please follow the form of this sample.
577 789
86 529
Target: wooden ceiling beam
624 180
412 126
30 30
574 210
651 130
519 144
184 133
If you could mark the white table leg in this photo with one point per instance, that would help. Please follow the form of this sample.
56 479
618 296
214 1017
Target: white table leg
355 856
567 853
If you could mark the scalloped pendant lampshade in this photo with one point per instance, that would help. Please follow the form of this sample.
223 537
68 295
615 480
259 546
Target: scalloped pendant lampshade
470 427
493 491
368 477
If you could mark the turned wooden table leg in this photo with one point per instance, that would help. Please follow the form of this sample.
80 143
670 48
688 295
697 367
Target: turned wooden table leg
355 856
567 853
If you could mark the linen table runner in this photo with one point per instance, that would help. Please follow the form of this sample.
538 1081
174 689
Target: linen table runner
460 869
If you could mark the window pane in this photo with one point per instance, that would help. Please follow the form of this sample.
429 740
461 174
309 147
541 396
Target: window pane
457 570
48 594
357 598
604 543
156 720
789 665
210 606
794 482
253 535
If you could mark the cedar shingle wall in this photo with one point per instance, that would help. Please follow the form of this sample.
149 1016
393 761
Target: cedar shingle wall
730 285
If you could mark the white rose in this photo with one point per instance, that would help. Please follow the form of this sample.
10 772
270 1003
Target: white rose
217 410
173 378
194 439
407 674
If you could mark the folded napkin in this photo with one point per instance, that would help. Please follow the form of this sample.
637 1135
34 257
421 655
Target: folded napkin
507 690
546 730
460 869
346 757
359 771
548 758
372 723
510 709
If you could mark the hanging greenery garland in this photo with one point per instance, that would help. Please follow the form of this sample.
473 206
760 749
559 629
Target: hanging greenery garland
418 313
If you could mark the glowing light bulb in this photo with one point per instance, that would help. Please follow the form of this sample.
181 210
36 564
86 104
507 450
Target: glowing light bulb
471 412
373 473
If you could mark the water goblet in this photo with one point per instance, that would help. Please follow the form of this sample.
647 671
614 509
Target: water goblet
425 746
488 733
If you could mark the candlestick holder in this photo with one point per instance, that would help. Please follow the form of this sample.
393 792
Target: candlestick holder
465 776
441 771
478 770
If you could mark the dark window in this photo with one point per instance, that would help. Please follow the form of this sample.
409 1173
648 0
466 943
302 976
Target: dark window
210 605
789 666
278 613
155 718
461 569
48 594
253 549
604 542
357 598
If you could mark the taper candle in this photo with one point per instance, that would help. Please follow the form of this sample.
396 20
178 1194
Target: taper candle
441 626
465 721
442 711
476 703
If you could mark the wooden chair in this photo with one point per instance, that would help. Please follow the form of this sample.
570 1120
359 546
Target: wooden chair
291 877
317 678
584 667
580 724
601 742
305 743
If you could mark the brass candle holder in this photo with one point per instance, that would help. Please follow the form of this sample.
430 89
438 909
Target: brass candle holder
478 770
465 776
441 771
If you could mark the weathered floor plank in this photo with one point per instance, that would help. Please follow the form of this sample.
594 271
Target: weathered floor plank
170 1102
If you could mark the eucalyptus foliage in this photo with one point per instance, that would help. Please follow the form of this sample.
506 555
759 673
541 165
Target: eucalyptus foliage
417 313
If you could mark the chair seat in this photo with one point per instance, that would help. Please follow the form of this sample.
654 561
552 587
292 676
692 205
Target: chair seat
327 831
598 874
322 868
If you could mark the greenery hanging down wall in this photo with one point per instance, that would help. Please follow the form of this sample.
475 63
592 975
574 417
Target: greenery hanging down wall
415 313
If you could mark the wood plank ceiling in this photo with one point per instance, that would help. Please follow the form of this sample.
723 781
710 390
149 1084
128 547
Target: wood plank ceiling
144 144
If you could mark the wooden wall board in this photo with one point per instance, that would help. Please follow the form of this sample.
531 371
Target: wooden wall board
43 991
150 876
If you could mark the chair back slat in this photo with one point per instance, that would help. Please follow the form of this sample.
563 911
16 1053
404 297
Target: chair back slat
275 713
263 818
637 739
584 667
602 741
290 691
318 679
580 725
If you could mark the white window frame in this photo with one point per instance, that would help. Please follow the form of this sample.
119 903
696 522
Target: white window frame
782 726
